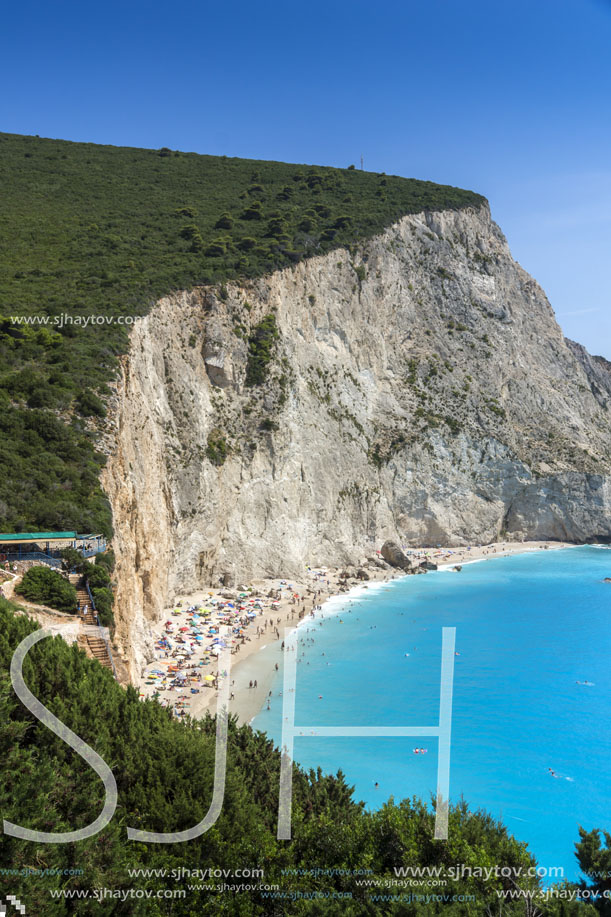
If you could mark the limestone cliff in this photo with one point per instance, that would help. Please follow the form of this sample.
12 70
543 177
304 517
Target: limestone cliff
419 389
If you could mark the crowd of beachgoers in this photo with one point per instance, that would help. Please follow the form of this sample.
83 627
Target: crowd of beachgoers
184 675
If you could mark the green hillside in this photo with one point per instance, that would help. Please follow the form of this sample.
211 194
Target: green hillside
89 230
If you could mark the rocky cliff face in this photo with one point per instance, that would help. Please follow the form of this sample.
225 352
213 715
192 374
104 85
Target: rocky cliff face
419 389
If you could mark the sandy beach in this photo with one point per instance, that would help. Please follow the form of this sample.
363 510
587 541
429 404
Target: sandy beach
183 675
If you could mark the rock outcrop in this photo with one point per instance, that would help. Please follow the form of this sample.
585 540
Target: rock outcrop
393 555
419 390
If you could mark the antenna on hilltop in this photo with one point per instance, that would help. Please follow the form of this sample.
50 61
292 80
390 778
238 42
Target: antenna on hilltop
361 162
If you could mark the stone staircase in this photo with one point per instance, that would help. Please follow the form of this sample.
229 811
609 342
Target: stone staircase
95 644
98 649
82 597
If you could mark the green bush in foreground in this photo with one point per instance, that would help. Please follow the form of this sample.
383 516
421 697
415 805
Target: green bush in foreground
47 587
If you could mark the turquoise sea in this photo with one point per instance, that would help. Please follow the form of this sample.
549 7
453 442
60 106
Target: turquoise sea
528 628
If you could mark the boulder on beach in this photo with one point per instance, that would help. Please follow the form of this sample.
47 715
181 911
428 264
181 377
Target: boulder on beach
347 573
378 562
362 574
392 554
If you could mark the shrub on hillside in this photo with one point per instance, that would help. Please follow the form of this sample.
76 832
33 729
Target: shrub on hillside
254 212
89 405
217 448
97 575
47 587
73 561
260 349
107 559
225 221
103 598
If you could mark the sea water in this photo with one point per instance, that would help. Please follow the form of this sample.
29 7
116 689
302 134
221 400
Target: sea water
529 627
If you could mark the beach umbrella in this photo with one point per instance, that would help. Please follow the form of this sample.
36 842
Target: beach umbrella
209 677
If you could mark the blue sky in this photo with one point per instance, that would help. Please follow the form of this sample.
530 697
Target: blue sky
508 98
